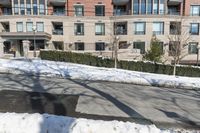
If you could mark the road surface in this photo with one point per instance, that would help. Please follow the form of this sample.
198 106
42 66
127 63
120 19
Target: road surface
162 106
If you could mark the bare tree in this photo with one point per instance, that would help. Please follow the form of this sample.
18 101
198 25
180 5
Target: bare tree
178 40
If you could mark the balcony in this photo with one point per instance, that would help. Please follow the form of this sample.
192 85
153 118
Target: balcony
57 28
174 2
57 2
120 2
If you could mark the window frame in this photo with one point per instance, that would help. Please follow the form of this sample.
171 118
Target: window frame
102 28
191 29
102 12
138 32
21 25
142 50
82 33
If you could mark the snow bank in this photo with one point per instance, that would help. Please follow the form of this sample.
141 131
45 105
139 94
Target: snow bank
76 71
36 123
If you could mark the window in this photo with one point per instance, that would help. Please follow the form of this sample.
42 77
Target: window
99 29
58 45
192 48
29 26
100 46
79 29
40 26
139 45
38 43
162 6
195 10
194 28
120 28
22 7
149 7
123 45
35 8
99 10
57 28
174 48
143 6
28 7
155 7
79 10
135 6
41 7
158 28
79 46
175 28
19 26
16 7
7 47
140 28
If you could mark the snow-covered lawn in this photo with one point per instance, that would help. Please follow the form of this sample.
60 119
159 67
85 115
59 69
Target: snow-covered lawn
36 123
76 71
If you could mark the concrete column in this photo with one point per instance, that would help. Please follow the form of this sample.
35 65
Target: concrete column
1 48
26 44
50 45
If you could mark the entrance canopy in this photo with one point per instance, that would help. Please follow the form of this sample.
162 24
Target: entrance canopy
25 35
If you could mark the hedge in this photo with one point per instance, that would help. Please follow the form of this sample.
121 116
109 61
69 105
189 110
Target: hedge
88 59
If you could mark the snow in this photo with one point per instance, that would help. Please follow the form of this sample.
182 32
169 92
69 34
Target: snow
37 123
84 72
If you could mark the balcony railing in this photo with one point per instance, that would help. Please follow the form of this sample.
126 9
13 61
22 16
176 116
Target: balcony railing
57 32
121 13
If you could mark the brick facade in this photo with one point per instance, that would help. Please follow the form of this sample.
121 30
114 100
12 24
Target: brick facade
89 6
187 5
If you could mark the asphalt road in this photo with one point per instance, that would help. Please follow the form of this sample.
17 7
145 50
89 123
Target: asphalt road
162 106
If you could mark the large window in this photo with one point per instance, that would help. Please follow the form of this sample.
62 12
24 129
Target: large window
29 26
79 46
40 26
162 7
28 7
192 48
99 10
175 28
149 7
143 6
99 29
79 10
194 28
155 7
195 10
39 45
100 46
158 28
139 45
16 7
19 26
35 8
135 6
42 7
22 7
140 28
79 29
120 28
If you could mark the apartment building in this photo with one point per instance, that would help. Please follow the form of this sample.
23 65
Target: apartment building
92 26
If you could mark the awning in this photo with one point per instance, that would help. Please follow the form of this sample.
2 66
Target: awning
25 35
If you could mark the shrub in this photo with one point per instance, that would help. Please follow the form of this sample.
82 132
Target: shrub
88 59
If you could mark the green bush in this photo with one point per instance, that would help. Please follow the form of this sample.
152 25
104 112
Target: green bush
88 59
